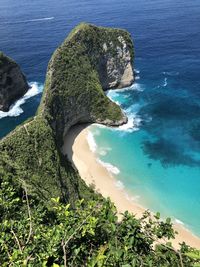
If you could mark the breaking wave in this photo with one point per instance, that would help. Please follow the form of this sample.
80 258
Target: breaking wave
179 222
104 150
137 71
16 109
134 120
132 198
137 76
91 142
119 185
133 124
165 82
112 169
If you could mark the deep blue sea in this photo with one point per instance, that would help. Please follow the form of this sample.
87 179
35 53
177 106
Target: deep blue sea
157 155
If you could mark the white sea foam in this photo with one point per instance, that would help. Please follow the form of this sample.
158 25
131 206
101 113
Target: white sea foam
120 185
134 121
132 198
91 142
109 167
136 71
133 124
137 77
96 132
171 73
114 93
137 87
179 221
126 96
29 20
135 198
100 125
16 109
117 102
104 150
165 82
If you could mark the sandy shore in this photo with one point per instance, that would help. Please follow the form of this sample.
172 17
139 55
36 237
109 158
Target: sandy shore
78 151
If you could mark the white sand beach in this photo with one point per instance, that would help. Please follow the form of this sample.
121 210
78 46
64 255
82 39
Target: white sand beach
92 172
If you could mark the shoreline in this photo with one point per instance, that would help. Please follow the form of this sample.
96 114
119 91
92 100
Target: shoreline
77 149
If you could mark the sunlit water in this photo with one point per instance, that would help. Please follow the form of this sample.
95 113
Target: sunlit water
157 155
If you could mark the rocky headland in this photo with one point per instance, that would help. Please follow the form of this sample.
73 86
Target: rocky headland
90 60
13 84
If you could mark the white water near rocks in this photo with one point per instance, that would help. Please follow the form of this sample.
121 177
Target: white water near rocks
16 109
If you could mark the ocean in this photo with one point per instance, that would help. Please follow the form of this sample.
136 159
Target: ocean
156 156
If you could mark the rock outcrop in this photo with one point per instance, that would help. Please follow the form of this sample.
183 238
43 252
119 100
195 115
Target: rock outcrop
90 60
13 84
115 65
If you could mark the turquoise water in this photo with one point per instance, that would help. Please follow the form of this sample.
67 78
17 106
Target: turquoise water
171 189
158 152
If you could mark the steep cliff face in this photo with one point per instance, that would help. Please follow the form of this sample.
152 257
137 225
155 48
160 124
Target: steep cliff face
13 84
90 60
115 63
110 52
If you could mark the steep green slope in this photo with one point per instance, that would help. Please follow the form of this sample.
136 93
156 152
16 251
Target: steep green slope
30 154
73 94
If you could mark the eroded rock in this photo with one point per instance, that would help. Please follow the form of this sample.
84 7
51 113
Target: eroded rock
13 84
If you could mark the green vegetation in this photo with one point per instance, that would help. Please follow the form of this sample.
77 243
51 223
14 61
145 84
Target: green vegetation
73 92
30 154
43 220
87 235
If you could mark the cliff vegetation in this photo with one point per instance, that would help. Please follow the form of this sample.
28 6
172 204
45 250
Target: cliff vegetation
49 217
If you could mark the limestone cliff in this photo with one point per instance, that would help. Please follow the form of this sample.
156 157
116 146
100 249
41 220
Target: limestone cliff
115 64
13 84
90 59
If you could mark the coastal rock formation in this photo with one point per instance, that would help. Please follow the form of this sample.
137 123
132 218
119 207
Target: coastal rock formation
13 84
90 60
115 65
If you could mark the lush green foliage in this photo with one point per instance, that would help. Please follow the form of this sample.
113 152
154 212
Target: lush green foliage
73 91
87 235
30 154
39 229
73 94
